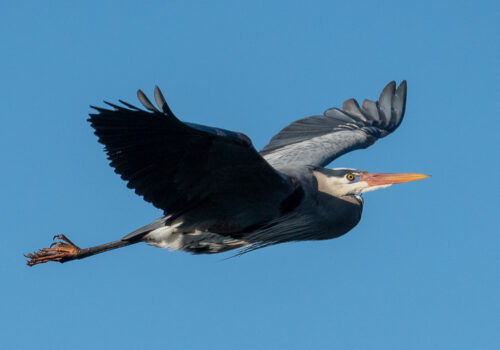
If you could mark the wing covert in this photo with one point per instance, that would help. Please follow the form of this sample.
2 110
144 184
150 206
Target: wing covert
318 140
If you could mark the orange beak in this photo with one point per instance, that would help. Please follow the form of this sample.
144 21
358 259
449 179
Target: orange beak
374 179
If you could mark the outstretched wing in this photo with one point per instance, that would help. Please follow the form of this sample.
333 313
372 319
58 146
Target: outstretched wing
181 167
318 140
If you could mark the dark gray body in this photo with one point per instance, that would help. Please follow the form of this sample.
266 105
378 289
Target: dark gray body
312 215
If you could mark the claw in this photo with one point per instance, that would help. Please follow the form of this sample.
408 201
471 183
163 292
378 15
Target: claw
58 251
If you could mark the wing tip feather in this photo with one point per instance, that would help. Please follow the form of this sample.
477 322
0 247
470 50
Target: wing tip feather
162 102
146 102
399 103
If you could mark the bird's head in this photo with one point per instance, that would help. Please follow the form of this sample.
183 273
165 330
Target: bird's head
343 181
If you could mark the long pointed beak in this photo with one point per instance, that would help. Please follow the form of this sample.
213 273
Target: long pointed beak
374 179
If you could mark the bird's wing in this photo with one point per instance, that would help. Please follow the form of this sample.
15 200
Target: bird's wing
318 140
180 167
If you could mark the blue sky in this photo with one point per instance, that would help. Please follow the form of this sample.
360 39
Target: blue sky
421 270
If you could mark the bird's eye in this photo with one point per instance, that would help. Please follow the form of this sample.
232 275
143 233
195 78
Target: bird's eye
350 177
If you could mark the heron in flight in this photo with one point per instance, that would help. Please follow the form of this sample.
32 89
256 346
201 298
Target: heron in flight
218 193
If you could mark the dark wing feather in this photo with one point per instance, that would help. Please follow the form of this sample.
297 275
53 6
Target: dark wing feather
182 167
318 140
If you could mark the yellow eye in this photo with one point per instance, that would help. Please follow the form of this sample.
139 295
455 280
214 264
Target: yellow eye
351 177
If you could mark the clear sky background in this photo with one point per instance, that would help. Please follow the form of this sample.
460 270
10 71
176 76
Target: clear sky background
420 271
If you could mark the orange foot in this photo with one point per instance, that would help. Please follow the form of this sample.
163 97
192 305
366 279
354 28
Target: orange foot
61 251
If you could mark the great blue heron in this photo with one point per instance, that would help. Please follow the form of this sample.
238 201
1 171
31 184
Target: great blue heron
218 193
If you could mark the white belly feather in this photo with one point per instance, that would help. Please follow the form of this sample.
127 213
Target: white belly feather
172 238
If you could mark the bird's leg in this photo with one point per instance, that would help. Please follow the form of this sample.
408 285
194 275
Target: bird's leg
65 250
